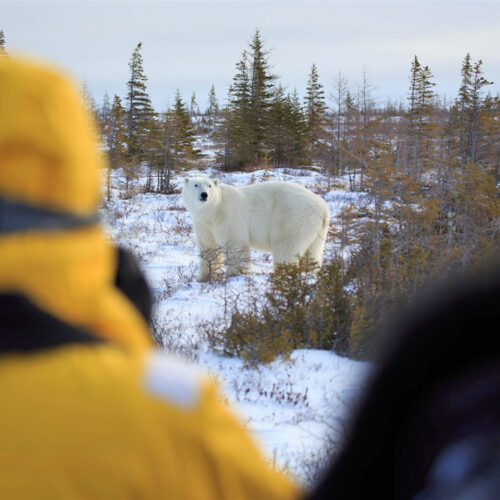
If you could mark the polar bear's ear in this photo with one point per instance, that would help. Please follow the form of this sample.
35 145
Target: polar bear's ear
216 182
186 180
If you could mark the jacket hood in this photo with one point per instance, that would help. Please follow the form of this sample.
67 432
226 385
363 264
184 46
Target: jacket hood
52 250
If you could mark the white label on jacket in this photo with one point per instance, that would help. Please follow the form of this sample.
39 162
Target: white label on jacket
172 379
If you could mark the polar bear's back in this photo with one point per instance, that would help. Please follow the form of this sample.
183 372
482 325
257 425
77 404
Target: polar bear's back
278 210
285 194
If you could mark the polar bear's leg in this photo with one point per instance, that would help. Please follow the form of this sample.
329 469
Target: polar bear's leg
315 250
289 251
237 259
210 256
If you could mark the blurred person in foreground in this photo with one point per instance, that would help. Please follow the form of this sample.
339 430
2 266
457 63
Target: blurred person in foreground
88 408
428 426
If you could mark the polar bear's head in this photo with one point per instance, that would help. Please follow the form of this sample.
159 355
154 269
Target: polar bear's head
200 193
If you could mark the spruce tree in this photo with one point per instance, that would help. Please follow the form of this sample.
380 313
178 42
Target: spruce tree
194 109
476 130
115 136
287 131
212 111
247 118
238 133
425 126
467 111
152 153
489 150
104 111
3 52
411 115
139 110
298 132
463 99
179 136
260 96
185 131
420 126
88 101
278 128
166 164
315 108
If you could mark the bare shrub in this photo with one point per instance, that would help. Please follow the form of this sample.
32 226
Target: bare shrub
114 211
131 192
181 226
170 335
174 280
213 264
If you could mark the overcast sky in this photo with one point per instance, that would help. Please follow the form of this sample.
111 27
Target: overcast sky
192 45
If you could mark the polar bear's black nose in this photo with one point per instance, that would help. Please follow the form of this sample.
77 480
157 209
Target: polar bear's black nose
203 195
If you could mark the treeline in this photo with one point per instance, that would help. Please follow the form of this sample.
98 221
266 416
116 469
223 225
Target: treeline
265 125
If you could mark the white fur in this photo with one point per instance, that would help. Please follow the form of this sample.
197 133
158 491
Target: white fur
280 217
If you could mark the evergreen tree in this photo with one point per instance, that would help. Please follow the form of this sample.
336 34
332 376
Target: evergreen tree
88 101
278 133
194 109
238 134
489 151
420 127
468 109
115 135
140 111
3 52
178 137
287 131
411 114
315 108
166 164
463 99
223 137
104 111
212 111
260 96
425 127
298 132
247 117
185 135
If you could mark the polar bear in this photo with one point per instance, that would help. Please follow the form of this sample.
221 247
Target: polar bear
281 217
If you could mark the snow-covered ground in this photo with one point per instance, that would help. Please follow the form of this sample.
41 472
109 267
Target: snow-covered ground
297 408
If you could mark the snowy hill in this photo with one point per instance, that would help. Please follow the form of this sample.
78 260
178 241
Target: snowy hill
297 408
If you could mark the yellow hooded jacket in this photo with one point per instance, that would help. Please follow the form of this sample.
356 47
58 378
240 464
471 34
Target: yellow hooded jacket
87 408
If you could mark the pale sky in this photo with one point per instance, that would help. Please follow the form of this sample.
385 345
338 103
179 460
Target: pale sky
192 45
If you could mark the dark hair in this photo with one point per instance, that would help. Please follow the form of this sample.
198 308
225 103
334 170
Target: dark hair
132 283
